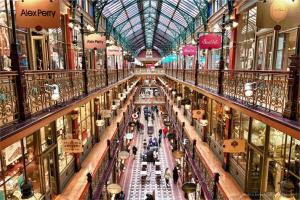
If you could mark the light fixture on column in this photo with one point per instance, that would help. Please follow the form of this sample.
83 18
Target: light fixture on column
173 92
53 90
249 89
100 122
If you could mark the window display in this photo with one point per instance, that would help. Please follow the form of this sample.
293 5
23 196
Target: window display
84 119
240 130
64 131
57 47
13 169
246 39
258 133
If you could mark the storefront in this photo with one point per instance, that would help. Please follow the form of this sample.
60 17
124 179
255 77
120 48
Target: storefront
5 39
32 159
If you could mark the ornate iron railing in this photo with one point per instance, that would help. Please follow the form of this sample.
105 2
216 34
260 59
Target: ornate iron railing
50 88
96 79
8 98
269 87
41 86
138 71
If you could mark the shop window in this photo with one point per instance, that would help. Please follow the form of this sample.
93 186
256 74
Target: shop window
64 131
258 133
57 48
284 162
246 39
279 53
46 135
217 122
85 123
240 129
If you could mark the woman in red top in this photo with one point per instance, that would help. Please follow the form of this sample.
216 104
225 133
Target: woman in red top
165 131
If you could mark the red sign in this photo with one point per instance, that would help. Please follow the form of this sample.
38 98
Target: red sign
210 41
189 50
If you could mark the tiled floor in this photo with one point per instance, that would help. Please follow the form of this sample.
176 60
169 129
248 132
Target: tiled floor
132 185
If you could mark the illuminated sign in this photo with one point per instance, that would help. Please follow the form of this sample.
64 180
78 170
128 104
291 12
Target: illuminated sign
189 50
95 41
34 14
210 41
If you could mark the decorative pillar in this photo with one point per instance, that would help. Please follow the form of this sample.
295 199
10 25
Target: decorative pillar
76 133
232 45
83 61
227 135
197 61
184 68
105 63
221 65
23 107
290 110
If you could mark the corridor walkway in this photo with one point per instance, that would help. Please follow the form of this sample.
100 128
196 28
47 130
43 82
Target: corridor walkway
134 187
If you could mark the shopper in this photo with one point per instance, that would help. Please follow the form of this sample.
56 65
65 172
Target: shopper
159 141
167 176
175 175
165 131
121 196
134 150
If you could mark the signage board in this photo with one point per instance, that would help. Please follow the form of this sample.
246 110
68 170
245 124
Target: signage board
114 51
189 50
95 41
210 41
72 146
34 14
234 146
105 113
278 12
198 114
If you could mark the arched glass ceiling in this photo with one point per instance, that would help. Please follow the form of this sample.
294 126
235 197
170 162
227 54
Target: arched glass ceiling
159 24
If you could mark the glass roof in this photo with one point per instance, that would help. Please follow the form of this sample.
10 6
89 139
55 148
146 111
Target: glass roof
151 23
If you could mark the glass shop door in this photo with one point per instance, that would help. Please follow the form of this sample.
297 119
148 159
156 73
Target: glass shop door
49 176
39 52
254 173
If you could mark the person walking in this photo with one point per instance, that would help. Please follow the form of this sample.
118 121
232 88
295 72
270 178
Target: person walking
165 131
175 175
121 196
159 140
167 176
134 150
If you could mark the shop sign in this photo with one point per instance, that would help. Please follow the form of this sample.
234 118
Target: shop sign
198 114
12 152
105 113
95 41
34 14
114 51
189 50
72 146
284 13
210 41
234 146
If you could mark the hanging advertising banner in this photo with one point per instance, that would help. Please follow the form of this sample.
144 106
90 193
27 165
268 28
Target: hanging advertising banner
210 41
34 14
95 41
114 51
234 146
72 146
284 13
189 50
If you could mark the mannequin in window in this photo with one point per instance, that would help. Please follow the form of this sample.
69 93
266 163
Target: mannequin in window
4 43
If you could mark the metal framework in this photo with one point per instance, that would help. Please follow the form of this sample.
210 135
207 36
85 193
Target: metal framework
158 24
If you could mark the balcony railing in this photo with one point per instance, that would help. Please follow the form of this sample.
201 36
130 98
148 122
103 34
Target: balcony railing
48 89
138 71
269 87
8 98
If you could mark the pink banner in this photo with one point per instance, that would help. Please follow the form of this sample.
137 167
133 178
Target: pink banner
210 41
189 50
